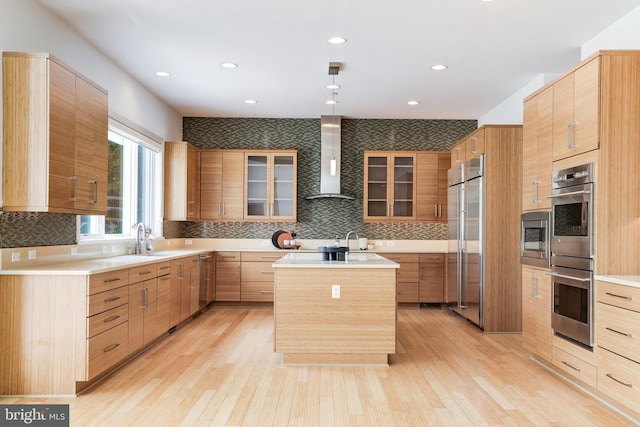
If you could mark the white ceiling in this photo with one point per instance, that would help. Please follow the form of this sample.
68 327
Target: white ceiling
492 49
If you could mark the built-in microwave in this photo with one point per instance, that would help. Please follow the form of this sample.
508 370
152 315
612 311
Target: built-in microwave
534 239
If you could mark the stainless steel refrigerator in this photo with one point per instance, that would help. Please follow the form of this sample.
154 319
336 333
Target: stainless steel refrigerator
466 238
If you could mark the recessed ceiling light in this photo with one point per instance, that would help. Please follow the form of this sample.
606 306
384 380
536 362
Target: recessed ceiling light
439 67
331 102
337 40
250 101
163 73
333 86
413 103
228 65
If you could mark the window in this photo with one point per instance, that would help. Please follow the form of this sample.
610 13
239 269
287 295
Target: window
134 189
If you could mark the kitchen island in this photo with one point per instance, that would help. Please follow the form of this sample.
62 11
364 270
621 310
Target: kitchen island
335 312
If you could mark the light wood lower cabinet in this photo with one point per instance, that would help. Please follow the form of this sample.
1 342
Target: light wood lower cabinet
537 334
431 279
420 277
228 276
107 349
406 276
256 275
190 288
575 366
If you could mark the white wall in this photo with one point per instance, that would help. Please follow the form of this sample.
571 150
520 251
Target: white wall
623 34
26 26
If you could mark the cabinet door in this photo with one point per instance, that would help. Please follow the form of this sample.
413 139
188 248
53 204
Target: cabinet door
458 153
142 313
474 145
283 186
257 172
427 183
376 186
178 274
193 183
164 303
227 279
576 111
63 182
431 278
537 334
404 189
544 148
189 288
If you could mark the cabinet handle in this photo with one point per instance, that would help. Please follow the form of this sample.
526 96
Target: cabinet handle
618 332
266 292
145 293
439 211
192 203
181 271
110 348
472 141
165 277
228 257
534 287
74 189
534 192
94 184
112 299
112 318
457 150
435 210
620 382
266 272
144 273
618 296
572 367
571 126
117 279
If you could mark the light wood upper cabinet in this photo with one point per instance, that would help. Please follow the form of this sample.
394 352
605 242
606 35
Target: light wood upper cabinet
536 151
221 185
54 137
458 153
431 183
576 111
389 185
468 148
181 182
270 185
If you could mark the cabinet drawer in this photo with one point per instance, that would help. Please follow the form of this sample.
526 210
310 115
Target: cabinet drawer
619 378
256 272
107 349
107 320
107 300
256 291
400 258
106 281
408 272
407 292
227 256
143 272
164 268
619 295
432 258
575 366
270 257
618 330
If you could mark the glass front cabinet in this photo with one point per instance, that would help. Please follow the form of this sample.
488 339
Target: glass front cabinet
389 186
271 185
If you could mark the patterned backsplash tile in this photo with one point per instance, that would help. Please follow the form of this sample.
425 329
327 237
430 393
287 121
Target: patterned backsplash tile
317 219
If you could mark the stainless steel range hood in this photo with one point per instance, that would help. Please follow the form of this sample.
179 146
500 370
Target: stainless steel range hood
330 159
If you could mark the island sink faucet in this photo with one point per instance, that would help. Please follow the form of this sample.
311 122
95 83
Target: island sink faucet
346 239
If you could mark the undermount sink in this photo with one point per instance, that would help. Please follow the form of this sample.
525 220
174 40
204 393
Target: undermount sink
333 253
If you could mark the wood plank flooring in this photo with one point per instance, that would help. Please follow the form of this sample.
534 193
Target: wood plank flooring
220 370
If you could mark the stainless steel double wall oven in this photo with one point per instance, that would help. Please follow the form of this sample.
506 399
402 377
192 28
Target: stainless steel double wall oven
572 249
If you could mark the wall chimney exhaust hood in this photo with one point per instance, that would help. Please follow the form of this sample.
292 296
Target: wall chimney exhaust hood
330 159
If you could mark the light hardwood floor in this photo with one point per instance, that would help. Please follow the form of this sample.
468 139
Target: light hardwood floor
220 370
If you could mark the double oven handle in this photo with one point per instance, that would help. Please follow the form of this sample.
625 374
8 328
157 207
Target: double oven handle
572 193
564 276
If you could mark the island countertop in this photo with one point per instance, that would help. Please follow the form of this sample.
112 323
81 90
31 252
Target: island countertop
353 260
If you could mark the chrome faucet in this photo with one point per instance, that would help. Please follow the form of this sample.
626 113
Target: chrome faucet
346 243
140 237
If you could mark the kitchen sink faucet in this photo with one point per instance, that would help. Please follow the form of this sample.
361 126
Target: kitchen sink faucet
140 237
346 239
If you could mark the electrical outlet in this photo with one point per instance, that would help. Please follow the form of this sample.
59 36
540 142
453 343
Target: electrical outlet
105 249
188 242
15 256
265 242
113 249
391 243
335 291
74 251
379 243
31 254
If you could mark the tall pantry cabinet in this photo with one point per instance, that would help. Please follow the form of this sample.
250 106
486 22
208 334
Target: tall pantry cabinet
54 137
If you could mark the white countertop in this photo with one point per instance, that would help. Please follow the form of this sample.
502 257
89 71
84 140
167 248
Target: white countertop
101 265
314 260
633 281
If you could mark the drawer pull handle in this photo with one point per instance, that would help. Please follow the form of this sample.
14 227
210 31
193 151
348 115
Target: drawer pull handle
572 367
112 318
111 348
163 278
228 257
620 382
165 268
618 332
142 273
112 299
266 272
618 296
266 292
117 279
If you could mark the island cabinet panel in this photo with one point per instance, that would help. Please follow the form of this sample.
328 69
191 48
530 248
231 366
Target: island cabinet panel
313 324
43 334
